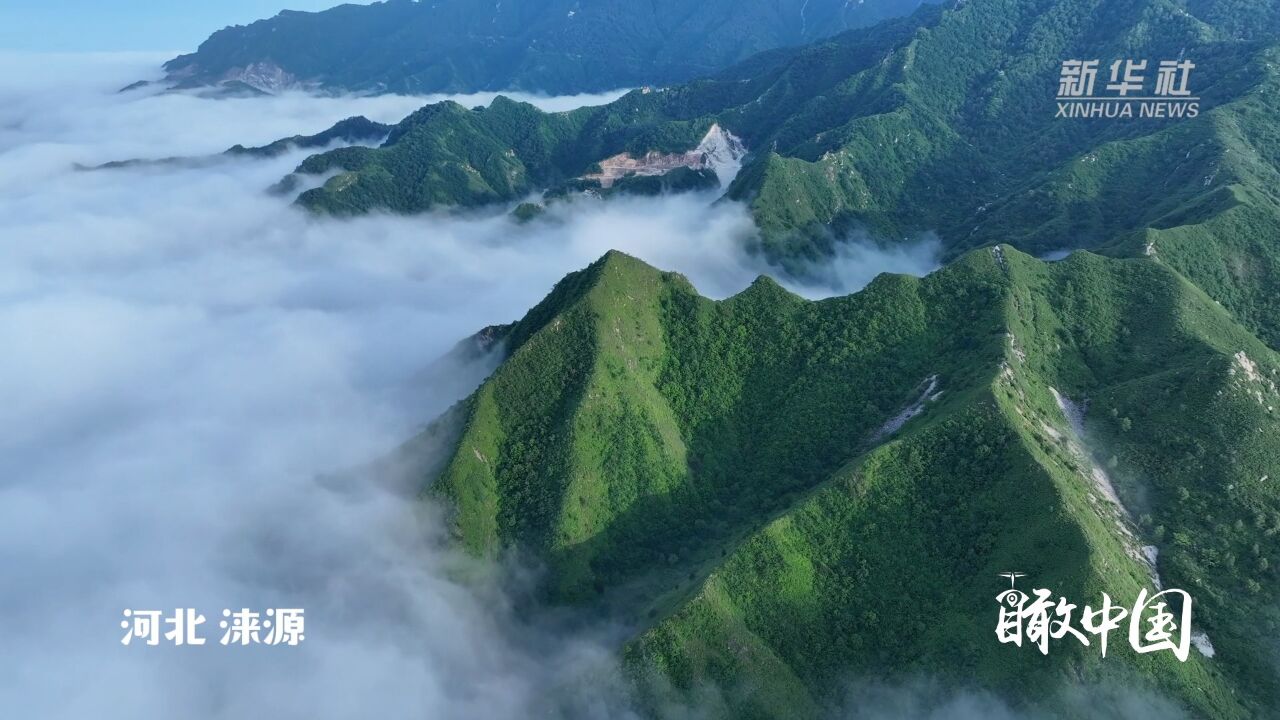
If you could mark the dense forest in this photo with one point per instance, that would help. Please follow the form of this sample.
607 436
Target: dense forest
778 493
546 46
943 121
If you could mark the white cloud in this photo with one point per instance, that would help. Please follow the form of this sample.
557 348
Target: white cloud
184 354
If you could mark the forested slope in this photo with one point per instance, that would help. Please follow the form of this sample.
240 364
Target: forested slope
944 121
548 46
783 495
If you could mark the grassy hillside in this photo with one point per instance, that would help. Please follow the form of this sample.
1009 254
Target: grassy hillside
447 155
739 480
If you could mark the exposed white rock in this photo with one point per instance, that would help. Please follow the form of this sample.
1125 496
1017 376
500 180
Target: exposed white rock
1075 418
722 151
719 151
1250 369
1147 555
1253 375
1152 552
998 252
1072 412
895 423
265 76
1200 640
1017 350
1006 371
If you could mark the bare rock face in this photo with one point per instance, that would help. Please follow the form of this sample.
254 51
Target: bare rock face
265 76
719 151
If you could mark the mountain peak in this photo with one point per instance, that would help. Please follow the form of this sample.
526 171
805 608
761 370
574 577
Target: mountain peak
619 260
412 47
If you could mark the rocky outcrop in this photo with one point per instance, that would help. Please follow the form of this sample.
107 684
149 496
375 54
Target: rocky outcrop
264 76
719 151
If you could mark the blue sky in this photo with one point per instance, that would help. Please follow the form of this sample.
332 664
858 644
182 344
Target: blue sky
78 25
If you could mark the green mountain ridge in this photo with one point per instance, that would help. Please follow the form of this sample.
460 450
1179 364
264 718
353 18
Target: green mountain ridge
548 46
354 129
781 494
445 155
942 121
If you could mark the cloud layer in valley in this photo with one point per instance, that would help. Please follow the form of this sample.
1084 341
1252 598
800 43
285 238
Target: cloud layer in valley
184 356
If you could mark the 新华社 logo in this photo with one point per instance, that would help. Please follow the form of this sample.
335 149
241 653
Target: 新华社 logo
1127 89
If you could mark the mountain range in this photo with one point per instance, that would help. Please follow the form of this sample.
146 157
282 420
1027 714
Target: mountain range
352 130
778 497
548 46
940 122
781 495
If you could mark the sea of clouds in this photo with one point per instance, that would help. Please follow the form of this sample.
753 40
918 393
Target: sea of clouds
183 355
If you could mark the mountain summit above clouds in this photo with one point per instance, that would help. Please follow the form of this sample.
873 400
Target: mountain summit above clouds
780 495
550 46
943 121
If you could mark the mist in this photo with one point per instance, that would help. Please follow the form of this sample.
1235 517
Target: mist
187 357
